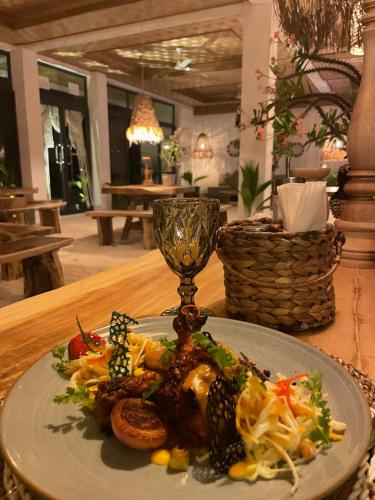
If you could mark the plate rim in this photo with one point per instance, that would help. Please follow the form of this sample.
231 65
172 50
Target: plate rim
289 338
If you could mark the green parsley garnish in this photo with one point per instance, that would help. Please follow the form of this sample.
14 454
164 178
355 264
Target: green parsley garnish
171 345
314 384
154 387
222 358
80 396
58 352
171 348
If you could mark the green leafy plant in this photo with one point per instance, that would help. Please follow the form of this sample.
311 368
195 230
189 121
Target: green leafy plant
250 187
80 184
188 177
331 179
172 152
6 179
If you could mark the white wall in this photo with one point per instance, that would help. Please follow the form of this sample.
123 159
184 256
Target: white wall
311 157
220 129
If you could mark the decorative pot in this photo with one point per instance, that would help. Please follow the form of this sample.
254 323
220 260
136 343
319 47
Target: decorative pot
311 173
169 179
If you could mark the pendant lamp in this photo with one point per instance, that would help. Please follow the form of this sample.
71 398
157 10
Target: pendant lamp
144 126
202 147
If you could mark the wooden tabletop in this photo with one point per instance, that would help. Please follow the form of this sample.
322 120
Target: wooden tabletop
140 190
145 287
36 205
11 231
5 191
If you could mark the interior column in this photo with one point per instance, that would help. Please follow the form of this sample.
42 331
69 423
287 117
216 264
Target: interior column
357 218
99 135
259 25
25 80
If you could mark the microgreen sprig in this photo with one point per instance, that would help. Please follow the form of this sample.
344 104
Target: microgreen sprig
314 384
79 395
58 352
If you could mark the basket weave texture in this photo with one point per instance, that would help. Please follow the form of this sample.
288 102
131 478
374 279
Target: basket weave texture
278 279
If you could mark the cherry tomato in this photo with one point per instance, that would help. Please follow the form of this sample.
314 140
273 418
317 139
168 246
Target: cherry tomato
78 347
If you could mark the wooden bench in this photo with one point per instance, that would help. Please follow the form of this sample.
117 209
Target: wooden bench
10 231
105 227
49 213
40 262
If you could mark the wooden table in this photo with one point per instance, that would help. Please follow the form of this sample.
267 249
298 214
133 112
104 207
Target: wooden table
10 231
137 193
49 213
145 287
140 191
17 191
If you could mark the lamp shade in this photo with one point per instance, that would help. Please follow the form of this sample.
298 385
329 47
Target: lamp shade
202 147
144 126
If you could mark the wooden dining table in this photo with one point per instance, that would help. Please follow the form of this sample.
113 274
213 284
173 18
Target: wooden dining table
145 287
137 193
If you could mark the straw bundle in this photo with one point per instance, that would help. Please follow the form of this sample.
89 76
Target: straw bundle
331 24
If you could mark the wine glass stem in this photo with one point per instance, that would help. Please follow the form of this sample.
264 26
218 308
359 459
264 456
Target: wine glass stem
187 291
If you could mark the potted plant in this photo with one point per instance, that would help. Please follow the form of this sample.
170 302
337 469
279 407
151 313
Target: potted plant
80 187
251 188
192 181
171 154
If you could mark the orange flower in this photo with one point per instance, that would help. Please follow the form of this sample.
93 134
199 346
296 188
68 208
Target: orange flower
258 74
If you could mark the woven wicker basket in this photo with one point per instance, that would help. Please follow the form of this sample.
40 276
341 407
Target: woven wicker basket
278 279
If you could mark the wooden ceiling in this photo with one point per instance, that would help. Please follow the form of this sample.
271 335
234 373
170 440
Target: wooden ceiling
107 36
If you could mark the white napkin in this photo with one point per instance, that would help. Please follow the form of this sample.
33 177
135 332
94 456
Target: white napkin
303 206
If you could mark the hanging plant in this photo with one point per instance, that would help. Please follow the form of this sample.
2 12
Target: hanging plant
332 24
290 91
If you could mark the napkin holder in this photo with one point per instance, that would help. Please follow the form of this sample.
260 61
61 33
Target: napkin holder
279 279
277 180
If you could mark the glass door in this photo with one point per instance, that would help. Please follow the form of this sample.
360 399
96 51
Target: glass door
66 156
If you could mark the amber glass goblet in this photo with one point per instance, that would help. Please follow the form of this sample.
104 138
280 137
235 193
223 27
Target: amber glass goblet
186 232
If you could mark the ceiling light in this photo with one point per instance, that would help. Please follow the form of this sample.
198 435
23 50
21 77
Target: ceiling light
144 126
202 147
115 71
95 64
65 53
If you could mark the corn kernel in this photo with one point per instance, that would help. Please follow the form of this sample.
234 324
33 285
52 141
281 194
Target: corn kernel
160 457
138 371
238 471
335 437
179 459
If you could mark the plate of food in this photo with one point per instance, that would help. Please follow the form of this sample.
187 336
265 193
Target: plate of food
184 407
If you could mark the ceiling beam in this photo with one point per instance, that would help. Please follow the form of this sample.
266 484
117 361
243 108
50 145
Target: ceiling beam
214 14
214 109
43 11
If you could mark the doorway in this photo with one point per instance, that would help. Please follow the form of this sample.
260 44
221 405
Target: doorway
66 139
125 160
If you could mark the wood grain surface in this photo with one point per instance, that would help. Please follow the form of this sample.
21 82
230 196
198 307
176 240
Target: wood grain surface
145 287
143 190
